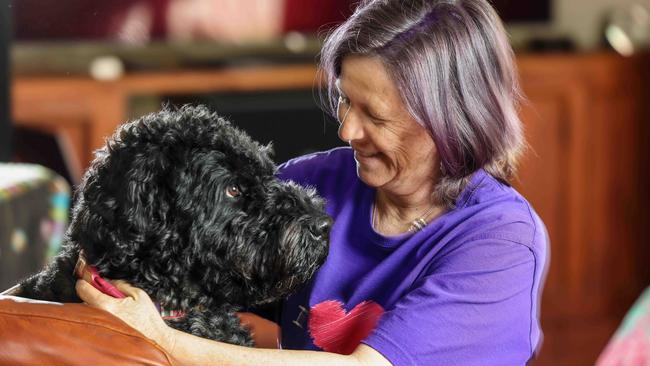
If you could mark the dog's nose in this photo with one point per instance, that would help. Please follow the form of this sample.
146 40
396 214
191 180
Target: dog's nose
321 228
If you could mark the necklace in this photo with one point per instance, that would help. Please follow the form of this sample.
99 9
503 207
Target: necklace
416 225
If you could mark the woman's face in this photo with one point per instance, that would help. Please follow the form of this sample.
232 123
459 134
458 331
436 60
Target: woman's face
393 152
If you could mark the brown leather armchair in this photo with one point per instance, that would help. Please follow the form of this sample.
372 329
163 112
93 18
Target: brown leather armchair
46 333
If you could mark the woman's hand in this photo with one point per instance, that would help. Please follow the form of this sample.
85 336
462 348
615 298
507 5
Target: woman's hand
137 310
265 333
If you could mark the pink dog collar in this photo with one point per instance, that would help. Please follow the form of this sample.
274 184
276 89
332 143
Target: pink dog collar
102 285
89 274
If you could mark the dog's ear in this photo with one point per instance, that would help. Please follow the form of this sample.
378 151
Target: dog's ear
144 199
124 202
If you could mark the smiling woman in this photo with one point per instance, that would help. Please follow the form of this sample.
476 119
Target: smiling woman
393 152
434 258
473 120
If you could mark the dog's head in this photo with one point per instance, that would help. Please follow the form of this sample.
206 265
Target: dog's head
186 206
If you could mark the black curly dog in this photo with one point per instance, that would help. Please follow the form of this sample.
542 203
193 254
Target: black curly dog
185 206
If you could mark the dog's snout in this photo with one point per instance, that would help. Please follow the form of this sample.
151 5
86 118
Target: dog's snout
320 228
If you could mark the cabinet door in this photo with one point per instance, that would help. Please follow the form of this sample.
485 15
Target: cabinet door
584 172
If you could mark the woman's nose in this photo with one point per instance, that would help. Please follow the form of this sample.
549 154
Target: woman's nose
350 129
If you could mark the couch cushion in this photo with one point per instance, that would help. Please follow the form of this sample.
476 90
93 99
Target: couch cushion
47 333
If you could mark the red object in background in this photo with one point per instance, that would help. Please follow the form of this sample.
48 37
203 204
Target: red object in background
79 19
314 15
100 20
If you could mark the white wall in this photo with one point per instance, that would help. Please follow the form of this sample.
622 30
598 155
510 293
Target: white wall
581 20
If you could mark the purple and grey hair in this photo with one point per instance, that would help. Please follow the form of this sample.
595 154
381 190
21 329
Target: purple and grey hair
455 70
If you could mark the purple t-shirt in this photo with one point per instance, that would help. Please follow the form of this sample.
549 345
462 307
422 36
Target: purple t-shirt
463 291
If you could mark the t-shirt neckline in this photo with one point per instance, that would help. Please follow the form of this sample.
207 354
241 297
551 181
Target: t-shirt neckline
393 241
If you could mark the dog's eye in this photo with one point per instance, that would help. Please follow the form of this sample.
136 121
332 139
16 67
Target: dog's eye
233 192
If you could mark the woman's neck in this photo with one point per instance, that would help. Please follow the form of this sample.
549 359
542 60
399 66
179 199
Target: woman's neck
395 214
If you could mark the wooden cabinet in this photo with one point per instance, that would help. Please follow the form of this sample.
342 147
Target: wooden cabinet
86 111
586 119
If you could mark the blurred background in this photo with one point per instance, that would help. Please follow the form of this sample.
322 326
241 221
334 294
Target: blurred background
73 70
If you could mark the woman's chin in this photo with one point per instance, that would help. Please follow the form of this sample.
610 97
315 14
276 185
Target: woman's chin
371 177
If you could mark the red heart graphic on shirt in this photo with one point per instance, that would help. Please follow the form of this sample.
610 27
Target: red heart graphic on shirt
335 331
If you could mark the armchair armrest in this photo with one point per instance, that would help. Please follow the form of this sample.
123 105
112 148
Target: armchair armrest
46 333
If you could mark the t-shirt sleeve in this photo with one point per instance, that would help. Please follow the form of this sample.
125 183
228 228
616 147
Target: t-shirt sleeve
319 170
300 170
473 307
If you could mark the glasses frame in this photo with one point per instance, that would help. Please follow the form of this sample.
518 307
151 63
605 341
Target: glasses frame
338 109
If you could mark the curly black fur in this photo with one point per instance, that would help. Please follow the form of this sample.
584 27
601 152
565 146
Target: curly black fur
154 210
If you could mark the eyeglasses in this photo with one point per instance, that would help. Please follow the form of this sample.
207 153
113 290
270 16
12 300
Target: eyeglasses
342 108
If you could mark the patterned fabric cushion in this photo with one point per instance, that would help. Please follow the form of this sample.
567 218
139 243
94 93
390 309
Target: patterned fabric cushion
34 204
630 345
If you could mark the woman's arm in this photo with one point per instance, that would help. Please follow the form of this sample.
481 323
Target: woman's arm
138 311
192 350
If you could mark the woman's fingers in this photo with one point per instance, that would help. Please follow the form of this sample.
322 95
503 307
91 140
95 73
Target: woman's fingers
92 296
265 333
127 289
136 310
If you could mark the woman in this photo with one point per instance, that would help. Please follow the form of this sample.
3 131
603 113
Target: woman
435 257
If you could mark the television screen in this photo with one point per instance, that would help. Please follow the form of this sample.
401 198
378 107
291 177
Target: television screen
517 11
